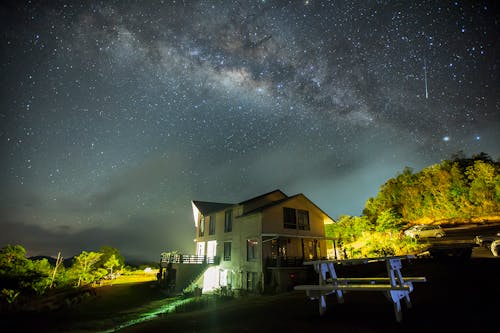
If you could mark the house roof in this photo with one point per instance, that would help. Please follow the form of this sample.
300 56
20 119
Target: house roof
272 204
262 196
206 207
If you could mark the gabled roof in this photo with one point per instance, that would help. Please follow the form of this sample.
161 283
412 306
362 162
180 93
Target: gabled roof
206 207
272 204
262 195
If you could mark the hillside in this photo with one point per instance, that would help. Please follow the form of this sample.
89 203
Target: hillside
456 190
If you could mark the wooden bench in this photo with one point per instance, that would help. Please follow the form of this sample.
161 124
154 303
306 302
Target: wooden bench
395 286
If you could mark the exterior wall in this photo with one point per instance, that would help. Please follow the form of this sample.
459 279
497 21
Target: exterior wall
273 218
243 229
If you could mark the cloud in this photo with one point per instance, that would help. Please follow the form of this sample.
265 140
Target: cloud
150 235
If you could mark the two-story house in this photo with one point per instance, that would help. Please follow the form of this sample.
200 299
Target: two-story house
261 243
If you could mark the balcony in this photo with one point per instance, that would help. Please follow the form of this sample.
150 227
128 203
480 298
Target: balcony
281 261
187 259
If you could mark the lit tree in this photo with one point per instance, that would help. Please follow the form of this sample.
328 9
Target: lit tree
84 264
111 263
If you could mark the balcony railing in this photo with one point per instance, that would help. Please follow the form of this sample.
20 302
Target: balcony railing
188 259
280 261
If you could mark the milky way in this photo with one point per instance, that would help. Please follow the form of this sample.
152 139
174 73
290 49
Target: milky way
115 114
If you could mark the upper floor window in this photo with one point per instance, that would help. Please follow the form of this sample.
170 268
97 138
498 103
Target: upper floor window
228 221
296 219
201 229
211 225
289 218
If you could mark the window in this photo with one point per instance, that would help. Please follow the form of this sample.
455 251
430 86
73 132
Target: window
228 221
295 219
303 219
211 249
201 230
252 250
227 251
211 225
290 220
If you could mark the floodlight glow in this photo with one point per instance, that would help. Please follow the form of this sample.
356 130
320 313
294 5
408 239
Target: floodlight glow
196 213
211 279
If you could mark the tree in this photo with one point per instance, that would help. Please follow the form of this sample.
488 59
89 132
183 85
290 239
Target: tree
388 221
111 263
107 252
84 266
19 275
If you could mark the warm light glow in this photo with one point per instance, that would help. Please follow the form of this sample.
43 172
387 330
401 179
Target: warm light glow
327 221
196 213
200 249
211 248
211 279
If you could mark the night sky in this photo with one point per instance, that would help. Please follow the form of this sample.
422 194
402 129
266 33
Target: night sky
115 114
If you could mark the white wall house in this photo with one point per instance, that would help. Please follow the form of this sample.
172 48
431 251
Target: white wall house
261 243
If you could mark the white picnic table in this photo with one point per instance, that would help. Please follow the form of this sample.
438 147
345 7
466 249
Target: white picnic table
395 286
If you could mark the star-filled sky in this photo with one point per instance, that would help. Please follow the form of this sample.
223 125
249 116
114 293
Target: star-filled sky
115 114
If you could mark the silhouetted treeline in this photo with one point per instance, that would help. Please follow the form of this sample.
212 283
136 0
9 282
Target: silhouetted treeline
454 189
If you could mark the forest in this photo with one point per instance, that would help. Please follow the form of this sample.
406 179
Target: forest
458 190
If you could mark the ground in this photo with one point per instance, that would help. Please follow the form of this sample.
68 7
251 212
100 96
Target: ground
459 296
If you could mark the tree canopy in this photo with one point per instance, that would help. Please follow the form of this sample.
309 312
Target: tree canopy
460 188
454 189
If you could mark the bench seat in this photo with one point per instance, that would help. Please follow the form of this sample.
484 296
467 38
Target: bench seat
351 287
377 279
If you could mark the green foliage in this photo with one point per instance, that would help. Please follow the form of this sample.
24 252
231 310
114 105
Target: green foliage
380 244
349 228
19 275
9 295
388 221
460 188
111 263
358 237
83 267
107 253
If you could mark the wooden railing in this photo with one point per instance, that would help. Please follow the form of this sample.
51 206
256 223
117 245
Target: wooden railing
188 259
281 261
